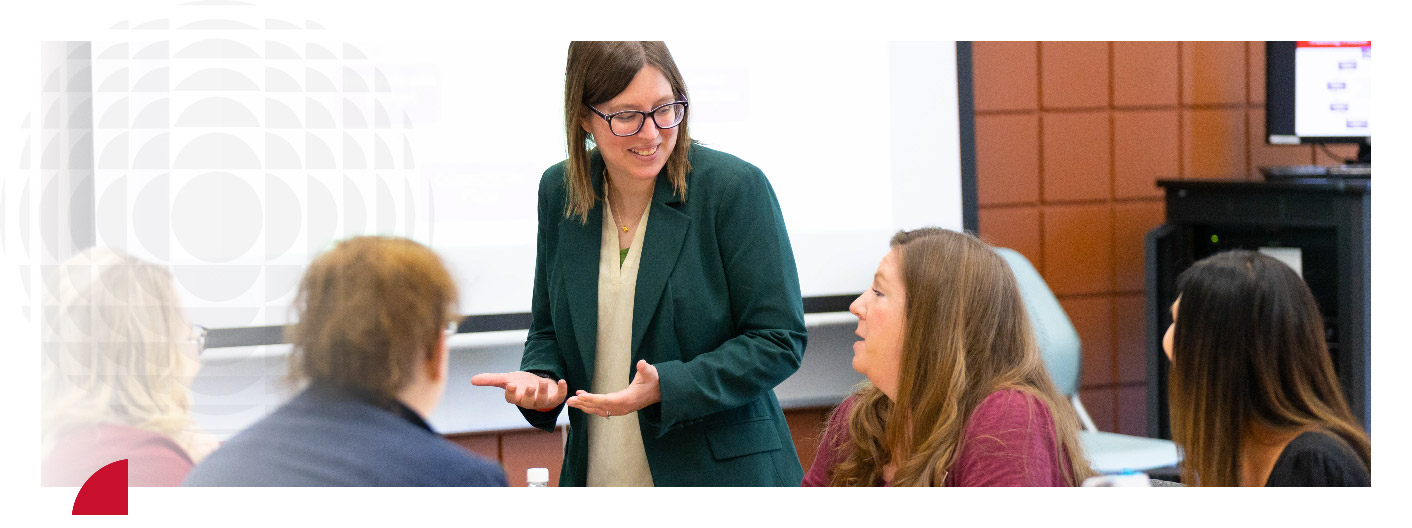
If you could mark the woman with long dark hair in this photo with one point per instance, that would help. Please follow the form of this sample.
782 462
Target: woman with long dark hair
1253 395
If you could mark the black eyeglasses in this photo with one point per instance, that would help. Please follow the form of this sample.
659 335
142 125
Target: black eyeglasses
629 122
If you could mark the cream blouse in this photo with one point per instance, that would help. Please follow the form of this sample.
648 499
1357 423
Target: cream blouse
615 453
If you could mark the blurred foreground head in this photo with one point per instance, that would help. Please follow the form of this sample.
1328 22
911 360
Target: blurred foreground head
116 348
371 311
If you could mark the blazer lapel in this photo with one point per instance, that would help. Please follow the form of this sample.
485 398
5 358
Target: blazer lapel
666 230
579 244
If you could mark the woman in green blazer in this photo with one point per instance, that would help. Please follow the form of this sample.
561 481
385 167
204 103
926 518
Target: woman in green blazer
666 302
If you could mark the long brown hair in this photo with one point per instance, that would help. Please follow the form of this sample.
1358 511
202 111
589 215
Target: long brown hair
967 335
370 311
1249 350
597 72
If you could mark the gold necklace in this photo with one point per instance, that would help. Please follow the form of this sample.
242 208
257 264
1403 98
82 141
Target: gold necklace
616 213
618 220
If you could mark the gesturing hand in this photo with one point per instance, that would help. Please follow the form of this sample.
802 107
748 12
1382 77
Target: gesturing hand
526 389
643 391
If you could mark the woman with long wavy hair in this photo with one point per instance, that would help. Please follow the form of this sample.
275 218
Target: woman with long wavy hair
957 394
1253 395
119 357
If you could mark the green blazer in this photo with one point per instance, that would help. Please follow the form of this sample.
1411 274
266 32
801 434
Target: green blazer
717 310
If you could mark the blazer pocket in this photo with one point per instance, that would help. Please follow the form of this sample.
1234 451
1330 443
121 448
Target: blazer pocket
752 436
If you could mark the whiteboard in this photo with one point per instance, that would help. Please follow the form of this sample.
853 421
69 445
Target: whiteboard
236 153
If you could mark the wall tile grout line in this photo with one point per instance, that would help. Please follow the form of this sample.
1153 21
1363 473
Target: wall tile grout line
1039 132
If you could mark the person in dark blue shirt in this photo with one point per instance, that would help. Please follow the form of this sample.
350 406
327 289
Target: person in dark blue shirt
370 345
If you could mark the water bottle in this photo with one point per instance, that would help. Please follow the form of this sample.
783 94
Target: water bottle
1128 478
537 477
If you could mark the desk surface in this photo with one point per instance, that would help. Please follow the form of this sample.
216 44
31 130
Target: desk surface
1350 185
238 386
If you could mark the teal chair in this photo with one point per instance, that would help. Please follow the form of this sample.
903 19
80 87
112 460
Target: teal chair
1059 346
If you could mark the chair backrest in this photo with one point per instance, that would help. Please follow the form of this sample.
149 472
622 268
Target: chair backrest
1058 341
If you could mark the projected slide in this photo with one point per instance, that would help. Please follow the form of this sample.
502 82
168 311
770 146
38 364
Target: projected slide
235 147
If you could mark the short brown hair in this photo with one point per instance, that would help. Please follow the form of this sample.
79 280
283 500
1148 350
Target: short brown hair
370 310
595 73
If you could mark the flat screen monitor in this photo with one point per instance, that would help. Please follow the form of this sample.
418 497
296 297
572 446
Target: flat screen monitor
1319 92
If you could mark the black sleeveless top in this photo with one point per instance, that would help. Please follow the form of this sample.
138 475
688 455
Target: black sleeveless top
1318 459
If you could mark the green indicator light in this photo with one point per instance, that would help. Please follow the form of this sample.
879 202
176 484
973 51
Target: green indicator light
1215 239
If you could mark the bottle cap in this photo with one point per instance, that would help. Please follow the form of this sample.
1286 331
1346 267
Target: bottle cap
537 475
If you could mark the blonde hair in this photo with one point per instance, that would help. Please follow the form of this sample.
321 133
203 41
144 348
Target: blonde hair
370 310
113 337
967 335
597 72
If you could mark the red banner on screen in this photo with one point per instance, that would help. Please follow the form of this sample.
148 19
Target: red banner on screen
1334 44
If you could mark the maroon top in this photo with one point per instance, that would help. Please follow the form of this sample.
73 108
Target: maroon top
1010 441
153 459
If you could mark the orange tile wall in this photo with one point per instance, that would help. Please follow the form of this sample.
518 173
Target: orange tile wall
1070 140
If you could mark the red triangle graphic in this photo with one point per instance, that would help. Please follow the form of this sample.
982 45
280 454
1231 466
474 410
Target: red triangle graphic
105 493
